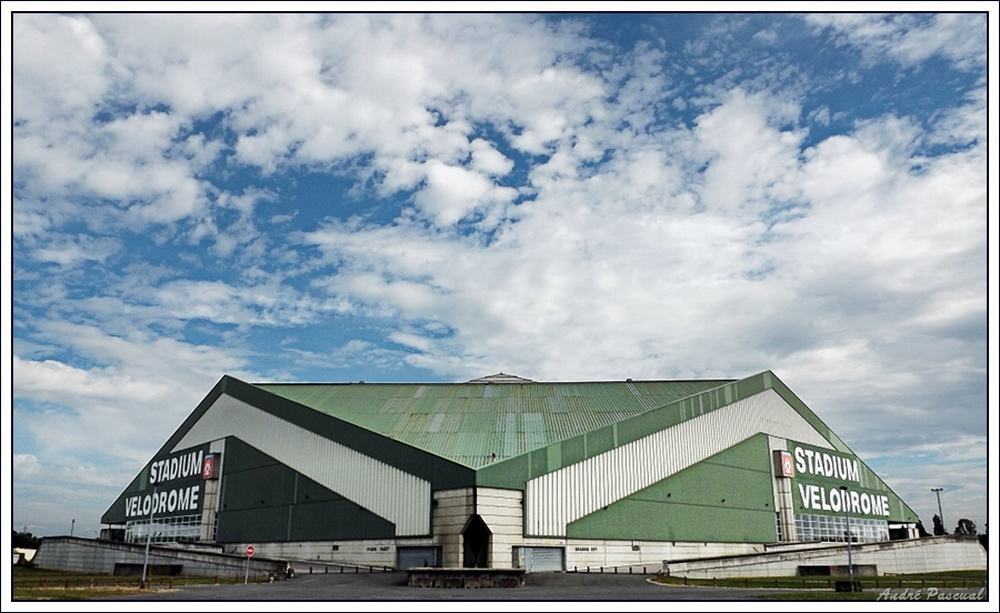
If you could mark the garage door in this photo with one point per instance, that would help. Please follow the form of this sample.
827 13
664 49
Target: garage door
414 557
543 559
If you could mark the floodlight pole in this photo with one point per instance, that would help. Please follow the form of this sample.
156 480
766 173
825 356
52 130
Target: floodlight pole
149 536
847 518
937 491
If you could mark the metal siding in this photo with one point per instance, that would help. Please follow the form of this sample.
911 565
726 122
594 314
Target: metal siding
656 457
266 501
390 493
727 497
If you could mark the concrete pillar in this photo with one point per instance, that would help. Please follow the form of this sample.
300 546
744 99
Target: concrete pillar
786 509
211 494
784 502
450 512
503 512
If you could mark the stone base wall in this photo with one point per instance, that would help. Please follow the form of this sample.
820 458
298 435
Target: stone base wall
927 555
94 556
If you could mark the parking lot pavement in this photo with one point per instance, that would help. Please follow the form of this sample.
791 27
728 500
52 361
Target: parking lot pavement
392 586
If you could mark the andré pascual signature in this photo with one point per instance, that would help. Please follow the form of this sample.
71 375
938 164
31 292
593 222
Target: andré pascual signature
931 593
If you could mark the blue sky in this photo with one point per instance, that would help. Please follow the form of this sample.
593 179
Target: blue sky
435 198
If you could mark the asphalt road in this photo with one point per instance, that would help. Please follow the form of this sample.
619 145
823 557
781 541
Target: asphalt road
392 586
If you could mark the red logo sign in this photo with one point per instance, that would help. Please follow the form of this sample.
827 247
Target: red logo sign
250 551
208 466
787 466
784 465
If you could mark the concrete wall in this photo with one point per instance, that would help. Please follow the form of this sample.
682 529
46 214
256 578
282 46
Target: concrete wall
579 552
503 512
377 552
451 509
92 556
910 556
596 553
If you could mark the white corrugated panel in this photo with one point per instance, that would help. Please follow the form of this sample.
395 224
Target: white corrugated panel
386 491
598 481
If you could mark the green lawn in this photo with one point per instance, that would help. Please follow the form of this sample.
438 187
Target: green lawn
71 594
38 584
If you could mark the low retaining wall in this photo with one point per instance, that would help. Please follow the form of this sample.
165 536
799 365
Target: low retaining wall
94 556
926 555
465 577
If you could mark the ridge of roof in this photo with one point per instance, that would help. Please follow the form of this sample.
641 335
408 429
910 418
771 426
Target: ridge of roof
471 382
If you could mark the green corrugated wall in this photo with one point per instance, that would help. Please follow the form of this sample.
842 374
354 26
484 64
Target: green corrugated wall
265 501
725 498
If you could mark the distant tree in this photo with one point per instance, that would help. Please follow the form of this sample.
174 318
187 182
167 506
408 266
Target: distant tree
939 527
25 540
965 526
921 531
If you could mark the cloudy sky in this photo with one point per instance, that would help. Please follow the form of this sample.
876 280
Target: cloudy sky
435 198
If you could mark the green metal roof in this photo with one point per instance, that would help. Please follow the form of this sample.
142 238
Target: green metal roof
477 424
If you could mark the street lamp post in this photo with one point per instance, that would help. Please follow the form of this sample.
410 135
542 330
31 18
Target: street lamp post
72 526
937 491
149 535
847 533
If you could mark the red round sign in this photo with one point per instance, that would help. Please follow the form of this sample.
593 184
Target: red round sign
250 551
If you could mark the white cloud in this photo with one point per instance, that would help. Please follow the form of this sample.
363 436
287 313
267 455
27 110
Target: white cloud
173 302
961 38
123 160
77 67
220 302
486 159
130 389
26 465
54 381
729 133
453 193
767 37
964 124
69 251
354 354
414 341
820 115
308 90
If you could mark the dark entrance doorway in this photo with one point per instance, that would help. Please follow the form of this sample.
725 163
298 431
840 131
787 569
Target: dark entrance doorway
476 543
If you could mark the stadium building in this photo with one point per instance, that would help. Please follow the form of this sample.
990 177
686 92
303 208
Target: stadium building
505 472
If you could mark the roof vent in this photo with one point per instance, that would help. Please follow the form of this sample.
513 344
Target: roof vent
500 378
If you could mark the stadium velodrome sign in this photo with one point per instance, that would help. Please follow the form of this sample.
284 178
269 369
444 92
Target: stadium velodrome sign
831 483
174 484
